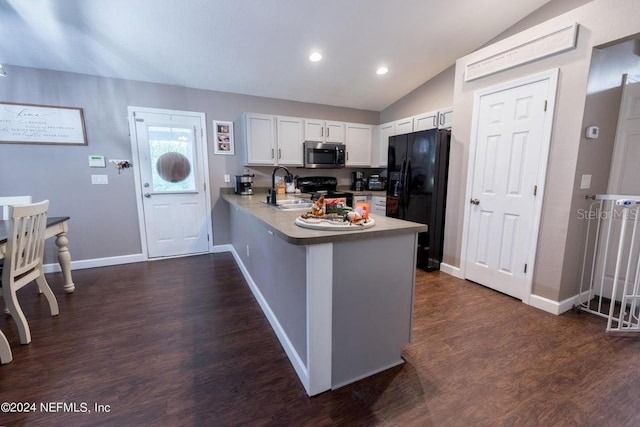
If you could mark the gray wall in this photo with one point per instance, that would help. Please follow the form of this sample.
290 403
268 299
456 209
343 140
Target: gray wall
601 21
602 103
104 220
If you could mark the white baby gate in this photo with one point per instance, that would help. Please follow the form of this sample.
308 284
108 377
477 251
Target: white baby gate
610 282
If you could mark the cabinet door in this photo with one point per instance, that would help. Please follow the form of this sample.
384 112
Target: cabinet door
403 126
378 205
426 121
358 141
290 136
386 130
260 139
445 117
314 130
335 132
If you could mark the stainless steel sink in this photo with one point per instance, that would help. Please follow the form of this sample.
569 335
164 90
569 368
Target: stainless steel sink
293 204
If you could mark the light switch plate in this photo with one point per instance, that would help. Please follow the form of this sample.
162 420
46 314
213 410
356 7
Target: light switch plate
227 178
99 179
585 182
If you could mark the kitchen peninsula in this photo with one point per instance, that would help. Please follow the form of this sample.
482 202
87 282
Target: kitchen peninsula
340 302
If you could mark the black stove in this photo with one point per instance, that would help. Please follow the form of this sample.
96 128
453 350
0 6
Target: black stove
327 185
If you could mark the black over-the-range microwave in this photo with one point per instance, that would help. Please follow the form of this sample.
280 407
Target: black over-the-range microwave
324 155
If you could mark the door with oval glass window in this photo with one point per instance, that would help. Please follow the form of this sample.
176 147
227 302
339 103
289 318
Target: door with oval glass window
172 172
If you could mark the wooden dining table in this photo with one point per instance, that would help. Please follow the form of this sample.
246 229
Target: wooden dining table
56 226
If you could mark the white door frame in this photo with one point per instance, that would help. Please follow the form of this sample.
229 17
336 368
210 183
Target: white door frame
552 76
136 161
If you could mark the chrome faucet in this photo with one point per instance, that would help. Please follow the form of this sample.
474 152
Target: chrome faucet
271 197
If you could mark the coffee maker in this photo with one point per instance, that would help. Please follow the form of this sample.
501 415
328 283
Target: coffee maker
357 181
244 184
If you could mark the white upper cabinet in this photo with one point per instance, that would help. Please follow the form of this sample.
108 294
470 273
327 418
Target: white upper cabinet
290 137
403 126
426 121
324 131
445 117
358 140
381 148
440 119
259 139
272 140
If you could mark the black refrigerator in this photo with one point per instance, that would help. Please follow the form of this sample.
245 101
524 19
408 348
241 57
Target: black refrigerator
417 169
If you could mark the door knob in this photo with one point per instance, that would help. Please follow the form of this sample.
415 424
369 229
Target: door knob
475 201
147 195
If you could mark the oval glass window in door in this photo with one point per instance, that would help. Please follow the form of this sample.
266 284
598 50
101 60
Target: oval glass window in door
173 167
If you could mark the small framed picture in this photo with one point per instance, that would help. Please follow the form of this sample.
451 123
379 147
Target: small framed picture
223 137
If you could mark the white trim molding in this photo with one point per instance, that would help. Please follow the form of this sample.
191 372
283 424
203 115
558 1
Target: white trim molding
451 270
96 262
554 307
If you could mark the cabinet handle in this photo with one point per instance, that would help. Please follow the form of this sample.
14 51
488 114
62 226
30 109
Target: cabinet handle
435 121
272 153
322 131
279 153
441 119
327 132
347 155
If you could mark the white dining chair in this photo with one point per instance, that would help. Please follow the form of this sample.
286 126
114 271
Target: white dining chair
23 261
6 201
5 350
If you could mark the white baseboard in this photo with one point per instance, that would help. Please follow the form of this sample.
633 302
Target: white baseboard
96 262
116 260
368 374
451 270
554 307
294 358
222 248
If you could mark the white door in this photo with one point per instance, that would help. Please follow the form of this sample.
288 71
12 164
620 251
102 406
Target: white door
172 182
510 144
624 177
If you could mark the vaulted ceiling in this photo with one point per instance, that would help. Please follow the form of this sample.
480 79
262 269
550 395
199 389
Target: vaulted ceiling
257 47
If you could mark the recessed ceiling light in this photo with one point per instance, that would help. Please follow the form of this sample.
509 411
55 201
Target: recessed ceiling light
315 57
382 70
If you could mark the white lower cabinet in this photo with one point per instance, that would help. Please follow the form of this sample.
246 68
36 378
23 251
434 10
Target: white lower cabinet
378 205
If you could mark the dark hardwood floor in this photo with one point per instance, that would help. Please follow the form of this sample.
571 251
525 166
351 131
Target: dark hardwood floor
182 342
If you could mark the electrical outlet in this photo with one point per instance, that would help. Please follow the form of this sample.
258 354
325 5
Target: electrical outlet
227 178
585 182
